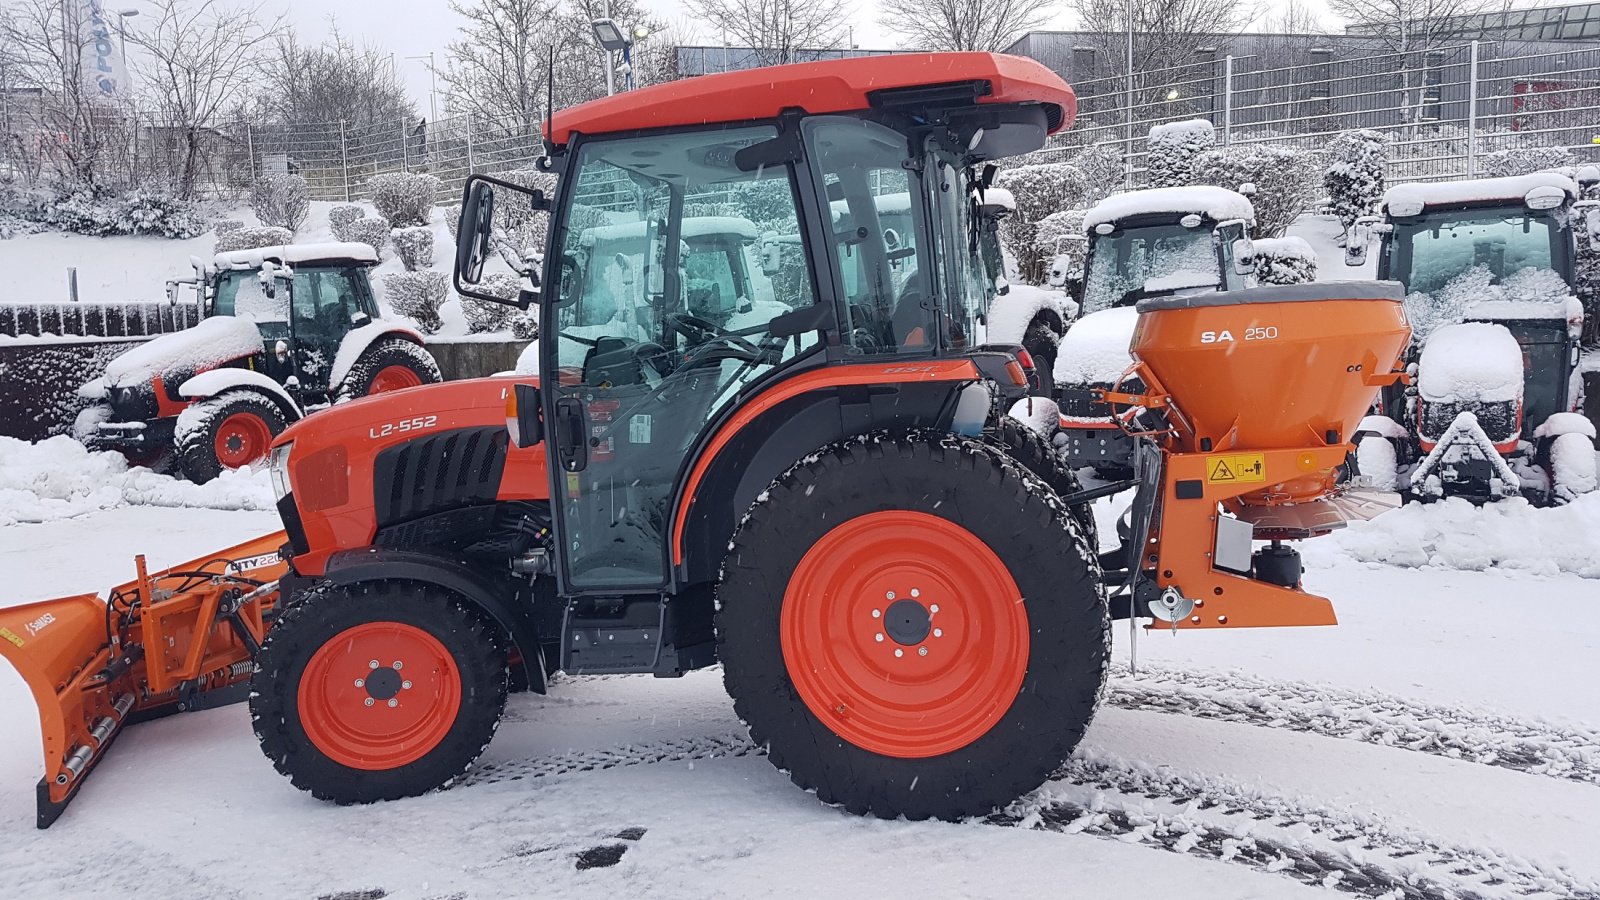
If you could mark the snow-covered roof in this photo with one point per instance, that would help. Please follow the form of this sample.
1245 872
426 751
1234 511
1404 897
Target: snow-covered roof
1470 361
1421 195
293 254
210 342
1220 204
898 202
693 227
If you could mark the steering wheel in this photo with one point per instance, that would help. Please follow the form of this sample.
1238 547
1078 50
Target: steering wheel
703 331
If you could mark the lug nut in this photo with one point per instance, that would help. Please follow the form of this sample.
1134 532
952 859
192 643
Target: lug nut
369 701
393 703
922 651
898 652
916 592
405 685
879 638
373 664
361 682
934 608
877 613
938 632
888 595
397 664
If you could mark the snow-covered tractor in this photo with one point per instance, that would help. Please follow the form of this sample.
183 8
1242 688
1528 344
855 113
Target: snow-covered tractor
1162 242
1033 317
284 330
1492 411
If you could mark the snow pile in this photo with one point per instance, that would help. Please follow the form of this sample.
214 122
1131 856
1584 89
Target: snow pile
1355 176
1286 260
1220 204
1095 348
1038 413
1412 199
1509 534
59 478
1471 361
1011 313
211 342
1173 147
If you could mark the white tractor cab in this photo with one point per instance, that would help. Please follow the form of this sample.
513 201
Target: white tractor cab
1492 408
1162 242
283 330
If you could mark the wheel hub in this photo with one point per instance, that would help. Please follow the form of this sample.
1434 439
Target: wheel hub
383 683
907 622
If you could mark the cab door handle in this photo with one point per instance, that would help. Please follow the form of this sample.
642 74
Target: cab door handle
572 434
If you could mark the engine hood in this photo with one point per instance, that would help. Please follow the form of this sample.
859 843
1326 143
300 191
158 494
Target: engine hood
209 344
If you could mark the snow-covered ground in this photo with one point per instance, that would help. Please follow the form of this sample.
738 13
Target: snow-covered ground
1442 741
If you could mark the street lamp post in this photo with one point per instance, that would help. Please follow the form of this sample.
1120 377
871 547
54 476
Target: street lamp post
123 15
433 87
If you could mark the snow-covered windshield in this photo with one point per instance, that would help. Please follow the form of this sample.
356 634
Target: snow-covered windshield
1128 264
1528 293
1427 252
239 293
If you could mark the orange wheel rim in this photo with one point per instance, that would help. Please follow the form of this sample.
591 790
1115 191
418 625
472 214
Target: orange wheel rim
905 634
379 696
243 438
394 378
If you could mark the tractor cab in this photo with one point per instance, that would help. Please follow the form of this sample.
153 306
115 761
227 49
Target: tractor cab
1164 242
1489 271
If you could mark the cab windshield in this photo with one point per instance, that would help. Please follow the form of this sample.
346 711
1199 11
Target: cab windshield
1130 264
1428 251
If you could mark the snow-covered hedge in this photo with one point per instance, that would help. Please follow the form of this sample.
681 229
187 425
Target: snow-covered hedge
281 200
403 198
243 238
418 295
341 216
1173 148
137 212
372 231
1525 160
223 226
1101 168
483 316
1285 178
1287 260
1357 162
414 246
1039 190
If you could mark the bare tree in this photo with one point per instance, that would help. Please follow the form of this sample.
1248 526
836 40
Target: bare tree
776 30
1412 29
1294 17
333 82
991 25
497 69
1168 34
200 56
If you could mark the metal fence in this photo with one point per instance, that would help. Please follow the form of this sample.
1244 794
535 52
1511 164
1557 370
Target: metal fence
1442 109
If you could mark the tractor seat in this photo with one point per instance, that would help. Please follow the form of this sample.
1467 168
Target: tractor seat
1392 291
911 320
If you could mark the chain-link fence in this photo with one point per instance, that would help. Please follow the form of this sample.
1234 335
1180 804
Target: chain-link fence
1442 109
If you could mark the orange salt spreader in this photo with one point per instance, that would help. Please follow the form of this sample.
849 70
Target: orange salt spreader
1250 401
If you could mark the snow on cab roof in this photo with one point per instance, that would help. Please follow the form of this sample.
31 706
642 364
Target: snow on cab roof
296 253
1421 195
693 227
1220 204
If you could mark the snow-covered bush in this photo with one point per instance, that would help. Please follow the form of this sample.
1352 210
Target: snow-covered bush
223 226
519 229
1039 190
404 198
1525 160
1287 260
483 316
1173 148
452 220
418 295
140 211
372 231
1101 168
281 200
243 238
414 246
1357 161
1285 178
343 215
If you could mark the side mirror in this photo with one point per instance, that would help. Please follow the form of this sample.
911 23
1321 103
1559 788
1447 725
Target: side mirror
172 293
474 230
1244 256
771 257
269 285
1358 240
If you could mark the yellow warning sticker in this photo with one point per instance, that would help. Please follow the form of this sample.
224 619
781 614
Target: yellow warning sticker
1236 467
8 635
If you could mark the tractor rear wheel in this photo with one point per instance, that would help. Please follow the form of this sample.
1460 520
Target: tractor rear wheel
912 628
226 432
377 691
1030 448
390 364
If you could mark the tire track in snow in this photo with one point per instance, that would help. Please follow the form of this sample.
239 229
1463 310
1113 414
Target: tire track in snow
1115 800
1371 717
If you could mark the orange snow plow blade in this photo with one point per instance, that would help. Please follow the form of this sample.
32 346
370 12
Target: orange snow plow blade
164 642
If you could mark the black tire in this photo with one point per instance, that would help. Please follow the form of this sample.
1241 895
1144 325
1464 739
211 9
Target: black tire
1029 448
1043 341
196 435
327 611
978 488
381 354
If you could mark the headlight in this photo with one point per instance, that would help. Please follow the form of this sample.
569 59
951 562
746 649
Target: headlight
279 463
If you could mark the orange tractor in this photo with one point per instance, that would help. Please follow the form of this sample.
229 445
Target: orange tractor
819 490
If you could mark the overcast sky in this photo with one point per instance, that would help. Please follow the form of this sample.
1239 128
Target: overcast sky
416 27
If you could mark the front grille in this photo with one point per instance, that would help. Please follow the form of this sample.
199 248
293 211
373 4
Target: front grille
1498 420
132 404
437 472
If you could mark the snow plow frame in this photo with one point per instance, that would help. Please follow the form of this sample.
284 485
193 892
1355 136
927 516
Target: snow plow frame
86 660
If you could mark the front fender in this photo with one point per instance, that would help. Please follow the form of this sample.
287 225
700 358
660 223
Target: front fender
380 564
214 382
356 343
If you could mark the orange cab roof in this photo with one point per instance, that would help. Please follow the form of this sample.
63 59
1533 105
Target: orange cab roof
830 86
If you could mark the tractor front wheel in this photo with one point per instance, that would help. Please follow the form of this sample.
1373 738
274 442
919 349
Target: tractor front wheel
377 691
911 627
226 432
